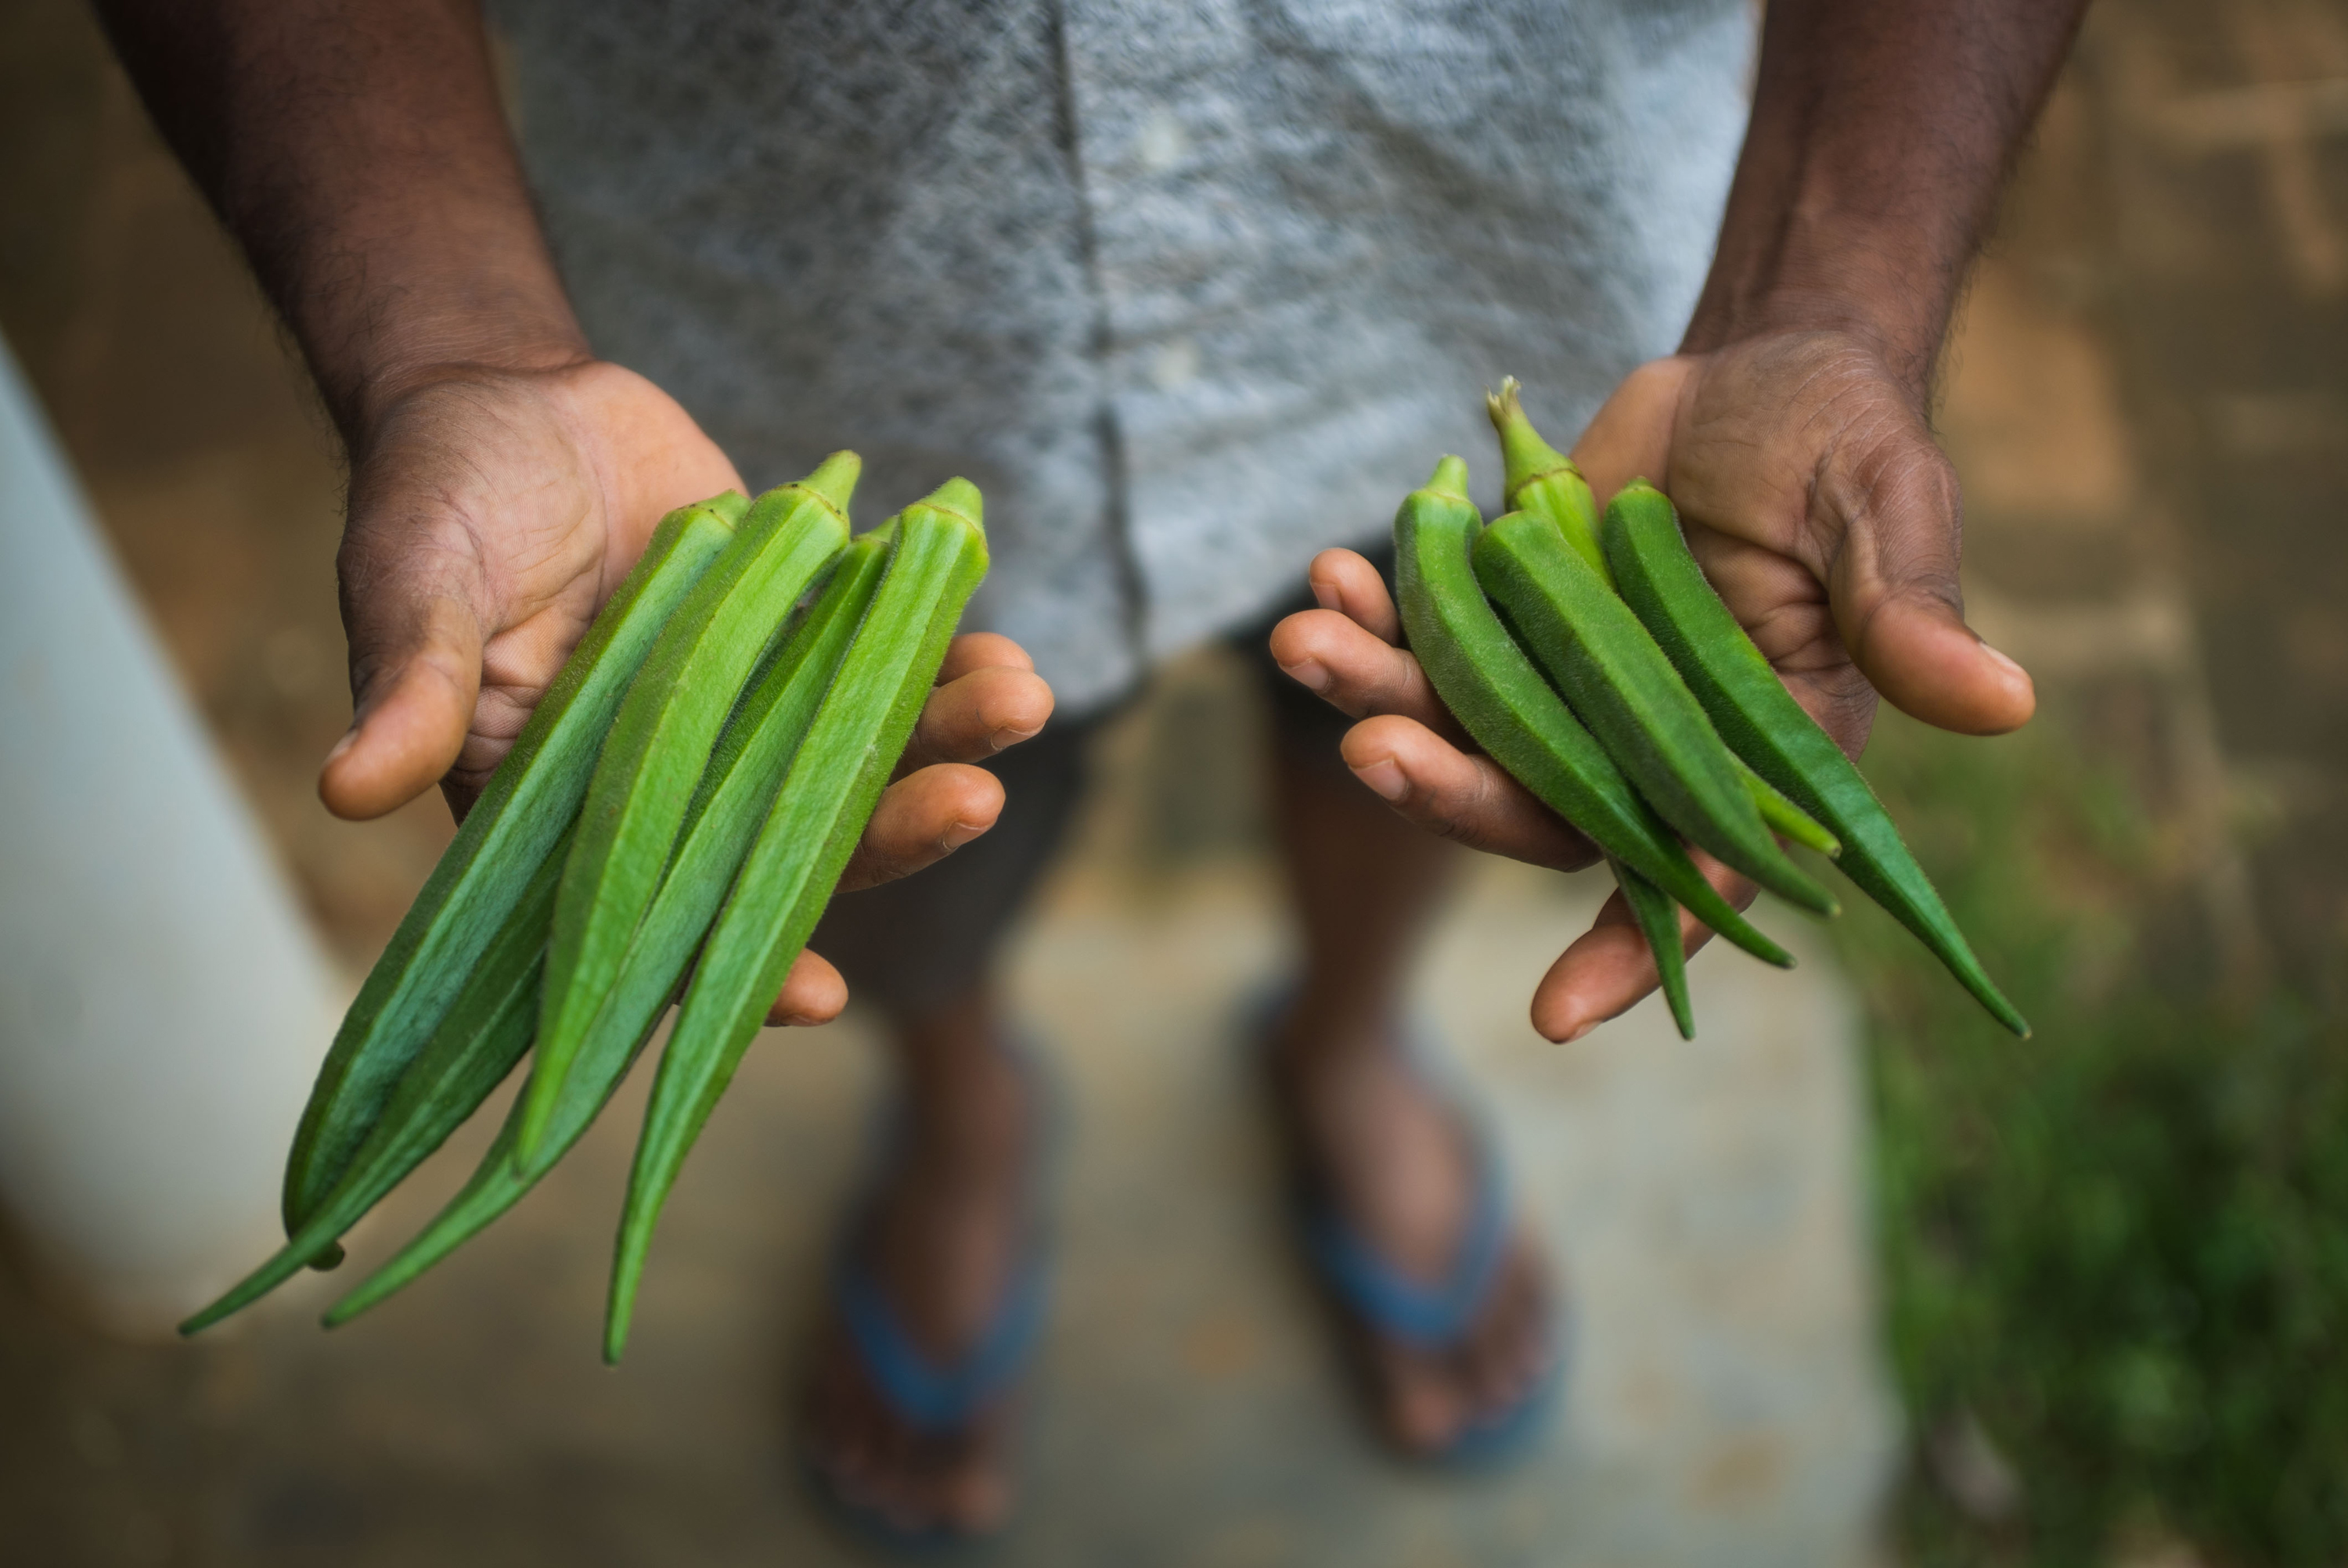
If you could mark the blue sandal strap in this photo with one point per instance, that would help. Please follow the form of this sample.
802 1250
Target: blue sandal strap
928 1397
1424 1317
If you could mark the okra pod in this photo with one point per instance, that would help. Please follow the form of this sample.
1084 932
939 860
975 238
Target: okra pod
1658 916
728 806
485 1033
1782 814
1618 682
660 743
818 817
1511 712
531 800
1774 734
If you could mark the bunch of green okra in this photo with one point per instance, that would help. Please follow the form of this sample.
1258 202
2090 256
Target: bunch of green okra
684 798
1598 667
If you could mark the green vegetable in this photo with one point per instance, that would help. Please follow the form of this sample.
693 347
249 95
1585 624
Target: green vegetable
1783 815
1542 480
1620 684
728 806
1774 733
818 817
1658 921
530 802
1490 686
485 1033
659 745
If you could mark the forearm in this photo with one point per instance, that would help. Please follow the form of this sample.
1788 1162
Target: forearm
357 153
1881 138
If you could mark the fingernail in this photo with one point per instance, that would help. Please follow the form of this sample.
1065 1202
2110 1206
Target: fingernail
2005 661
960 834
1309 674
1384 777
350 738
1581 1032
1010 735
1325 595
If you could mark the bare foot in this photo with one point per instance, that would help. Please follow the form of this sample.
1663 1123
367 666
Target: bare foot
953 1220
1401 1171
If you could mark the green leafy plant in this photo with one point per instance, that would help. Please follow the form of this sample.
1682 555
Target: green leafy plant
2118 1250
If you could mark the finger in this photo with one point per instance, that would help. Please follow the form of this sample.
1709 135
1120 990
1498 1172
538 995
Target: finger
416 666
920 819
982 650
1610 968
969 719
1893 583
812 993
1629 436
1332 654
1346 582
1472 799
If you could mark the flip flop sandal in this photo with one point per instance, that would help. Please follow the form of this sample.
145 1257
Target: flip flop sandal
1372 1298
927 1397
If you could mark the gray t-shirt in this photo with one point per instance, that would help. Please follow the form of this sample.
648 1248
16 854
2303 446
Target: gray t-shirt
1190 288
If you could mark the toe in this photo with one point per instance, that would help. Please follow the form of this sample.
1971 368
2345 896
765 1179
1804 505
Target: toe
1424 1408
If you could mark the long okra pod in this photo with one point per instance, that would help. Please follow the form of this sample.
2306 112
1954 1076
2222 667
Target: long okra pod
812 829
659 745
1620 684
485 1033
1511 712
530 801
1764 723
1658 917
731 801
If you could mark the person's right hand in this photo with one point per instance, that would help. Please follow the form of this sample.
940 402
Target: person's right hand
492 512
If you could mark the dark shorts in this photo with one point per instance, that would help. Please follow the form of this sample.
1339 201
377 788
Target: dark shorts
910 946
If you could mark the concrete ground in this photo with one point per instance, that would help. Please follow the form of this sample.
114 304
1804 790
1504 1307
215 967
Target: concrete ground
1724 1405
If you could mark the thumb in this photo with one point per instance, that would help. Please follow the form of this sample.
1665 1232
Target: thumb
416 675
1892 580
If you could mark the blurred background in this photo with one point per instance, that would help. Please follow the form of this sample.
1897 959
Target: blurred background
1857 1278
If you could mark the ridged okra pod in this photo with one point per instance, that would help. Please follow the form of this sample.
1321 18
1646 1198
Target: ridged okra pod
1658 917
531 800
485 1033
1511 712
813 827
1618 682
1771 731
1781 814
722 818
660 743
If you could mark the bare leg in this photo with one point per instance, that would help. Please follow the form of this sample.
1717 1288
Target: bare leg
944 1239
1393 1157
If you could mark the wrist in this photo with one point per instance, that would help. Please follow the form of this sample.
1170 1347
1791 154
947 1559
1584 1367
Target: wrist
1886 292
433 330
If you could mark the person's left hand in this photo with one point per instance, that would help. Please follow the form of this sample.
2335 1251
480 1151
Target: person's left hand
1824 513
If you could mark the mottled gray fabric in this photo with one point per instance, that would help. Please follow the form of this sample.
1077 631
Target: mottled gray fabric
1190 288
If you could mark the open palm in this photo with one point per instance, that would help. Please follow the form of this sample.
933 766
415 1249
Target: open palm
492 512
1823 512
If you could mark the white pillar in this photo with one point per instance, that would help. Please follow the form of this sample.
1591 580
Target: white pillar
163 1004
